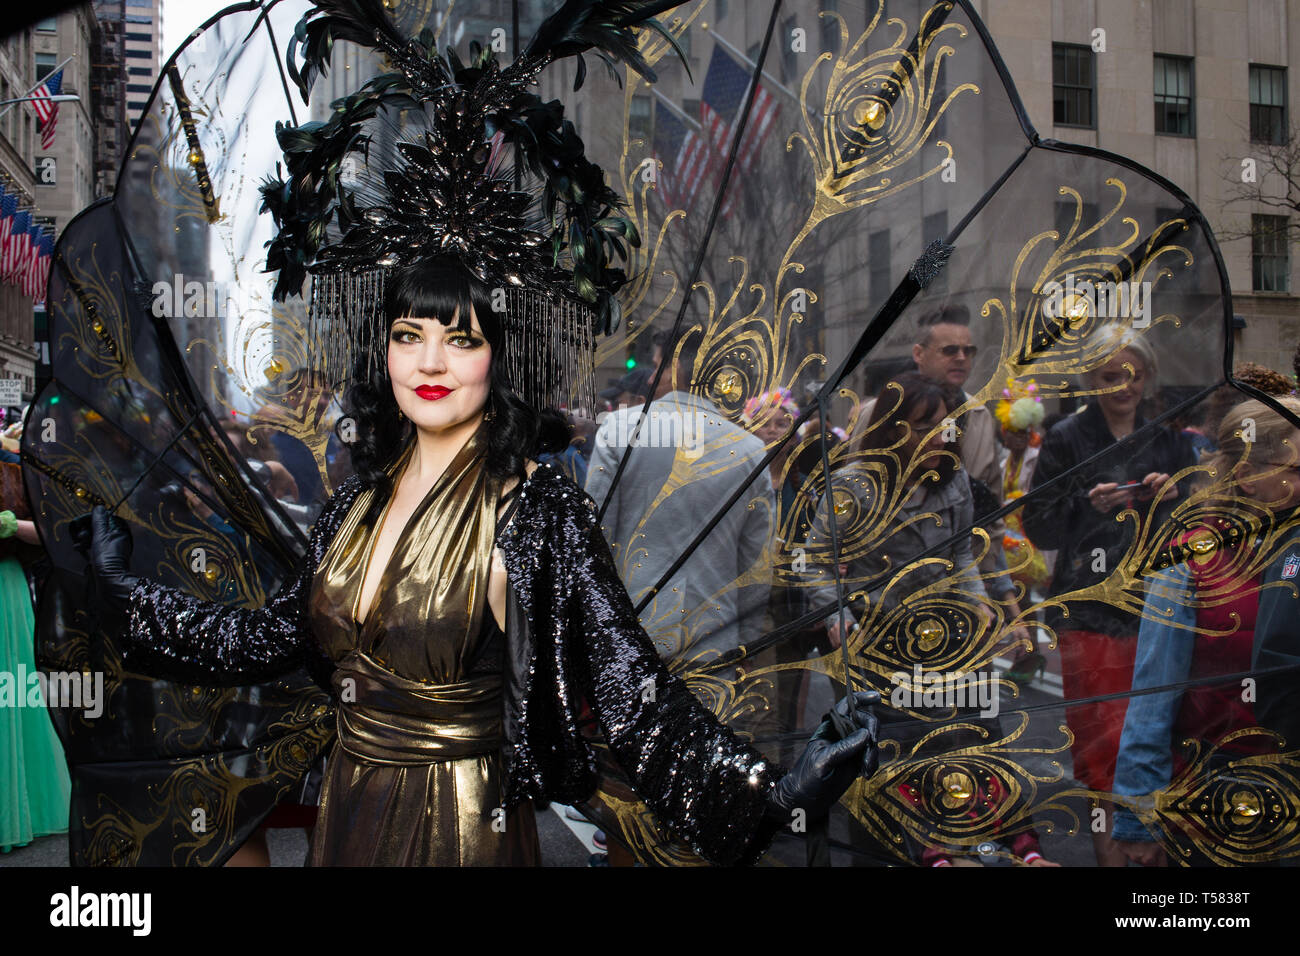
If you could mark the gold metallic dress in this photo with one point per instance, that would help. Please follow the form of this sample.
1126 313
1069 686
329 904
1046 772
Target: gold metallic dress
414 778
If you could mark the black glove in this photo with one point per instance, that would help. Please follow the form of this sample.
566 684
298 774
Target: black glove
830 763
105 542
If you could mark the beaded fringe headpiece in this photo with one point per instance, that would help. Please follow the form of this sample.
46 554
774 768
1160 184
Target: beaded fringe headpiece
549 350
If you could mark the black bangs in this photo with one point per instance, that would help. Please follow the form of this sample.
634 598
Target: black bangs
436 289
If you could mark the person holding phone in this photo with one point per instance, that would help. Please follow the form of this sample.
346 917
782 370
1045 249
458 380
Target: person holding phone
1131 464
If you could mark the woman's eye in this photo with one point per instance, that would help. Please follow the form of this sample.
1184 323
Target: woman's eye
400 335
464 341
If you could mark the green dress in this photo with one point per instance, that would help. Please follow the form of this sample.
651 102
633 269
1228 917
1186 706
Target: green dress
34 785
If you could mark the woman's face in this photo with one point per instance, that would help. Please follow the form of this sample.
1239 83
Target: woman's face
775 427
1275 484
920 447
1122 389
441 376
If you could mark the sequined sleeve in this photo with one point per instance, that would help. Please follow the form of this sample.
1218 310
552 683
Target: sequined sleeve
180 637
702 782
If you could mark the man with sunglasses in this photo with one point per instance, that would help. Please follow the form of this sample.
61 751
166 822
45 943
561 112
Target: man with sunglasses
943 352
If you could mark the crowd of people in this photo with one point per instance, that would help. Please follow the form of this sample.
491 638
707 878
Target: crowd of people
1095 477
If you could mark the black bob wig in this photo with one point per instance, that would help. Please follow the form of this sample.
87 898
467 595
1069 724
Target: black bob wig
437 289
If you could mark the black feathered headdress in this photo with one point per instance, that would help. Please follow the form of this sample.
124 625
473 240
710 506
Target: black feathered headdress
407 169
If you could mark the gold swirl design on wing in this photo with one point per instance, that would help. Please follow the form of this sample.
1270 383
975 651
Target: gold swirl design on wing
943 625
172 182
200 798
1110 250
878 110
1240 811
115 837
639 830
94 332
733 700
1213 523
185 713
974 792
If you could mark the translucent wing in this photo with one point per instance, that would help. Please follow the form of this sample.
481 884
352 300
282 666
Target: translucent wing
162 337
823 190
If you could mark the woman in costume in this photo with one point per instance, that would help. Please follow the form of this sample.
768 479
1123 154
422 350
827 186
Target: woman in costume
461 596
1098 641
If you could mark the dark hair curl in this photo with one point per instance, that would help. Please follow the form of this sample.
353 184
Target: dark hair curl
442 289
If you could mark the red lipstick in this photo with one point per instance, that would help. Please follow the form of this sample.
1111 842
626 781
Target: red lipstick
432 392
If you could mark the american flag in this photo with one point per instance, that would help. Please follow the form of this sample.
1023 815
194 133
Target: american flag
15 245
8 209
35 270
47 111
725 87
684 154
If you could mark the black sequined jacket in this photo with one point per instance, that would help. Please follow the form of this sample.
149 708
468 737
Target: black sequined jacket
572 636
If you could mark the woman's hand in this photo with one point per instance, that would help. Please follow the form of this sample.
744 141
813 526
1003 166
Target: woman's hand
105 541
1158 484
1105 498
829 764
27 532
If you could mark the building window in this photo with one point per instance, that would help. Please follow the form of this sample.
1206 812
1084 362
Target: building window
830 26
1175 114
639 124
1268 104
45 63
1270 266
48 25
1074 86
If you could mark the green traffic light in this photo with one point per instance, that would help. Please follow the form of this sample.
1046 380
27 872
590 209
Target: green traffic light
631 363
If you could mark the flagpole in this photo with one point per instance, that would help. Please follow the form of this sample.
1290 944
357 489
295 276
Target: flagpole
678 110
38 85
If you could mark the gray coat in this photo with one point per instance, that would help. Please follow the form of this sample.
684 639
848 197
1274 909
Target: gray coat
692 456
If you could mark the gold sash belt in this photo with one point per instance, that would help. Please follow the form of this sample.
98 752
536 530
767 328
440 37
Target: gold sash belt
385 718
